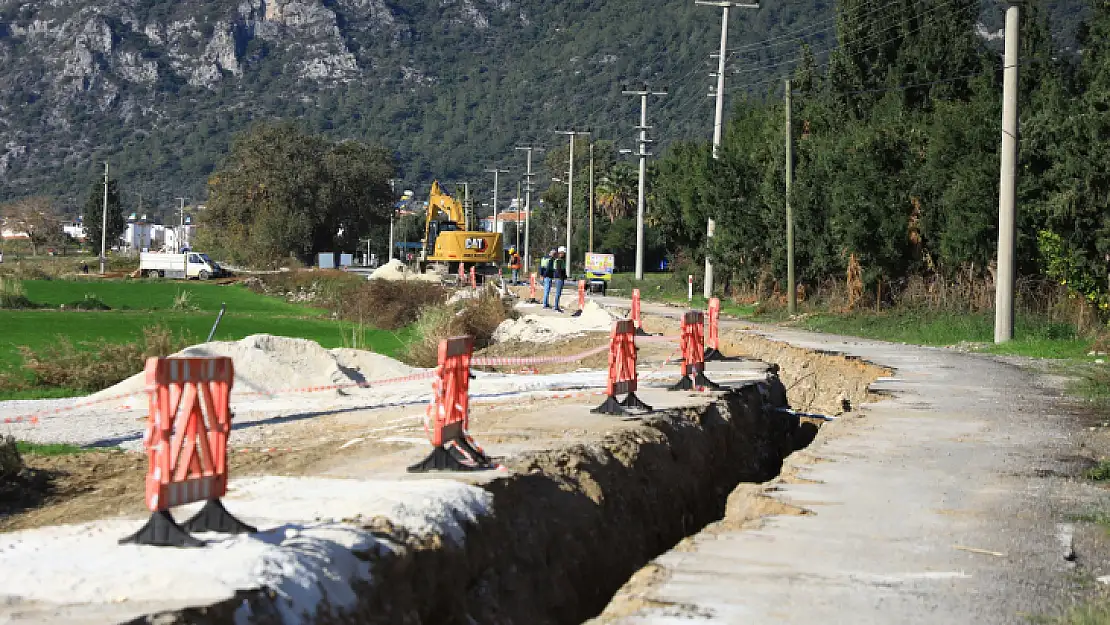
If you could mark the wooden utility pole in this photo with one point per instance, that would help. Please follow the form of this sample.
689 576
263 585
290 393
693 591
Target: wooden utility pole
1007 206
792 289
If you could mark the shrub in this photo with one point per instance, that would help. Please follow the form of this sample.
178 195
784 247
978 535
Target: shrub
90 302
92 366
477 317
11 463
12 294
389 305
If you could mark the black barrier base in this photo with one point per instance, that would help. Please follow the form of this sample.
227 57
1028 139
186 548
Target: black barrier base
635 402
533 300
214 517
640 332
696 382
454 455
162 531
577 313
610 406
714 355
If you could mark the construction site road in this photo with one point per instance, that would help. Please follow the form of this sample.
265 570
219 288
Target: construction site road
947 503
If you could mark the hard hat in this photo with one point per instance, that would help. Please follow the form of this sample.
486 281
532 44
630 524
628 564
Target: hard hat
512 250
562 250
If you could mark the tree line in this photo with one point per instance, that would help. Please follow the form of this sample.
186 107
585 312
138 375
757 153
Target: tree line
896 147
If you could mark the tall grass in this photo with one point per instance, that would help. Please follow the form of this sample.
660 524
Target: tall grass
477 318
92 366
13 295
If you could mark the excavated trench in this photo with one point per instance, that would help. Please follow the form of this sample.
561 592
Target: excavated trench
572 525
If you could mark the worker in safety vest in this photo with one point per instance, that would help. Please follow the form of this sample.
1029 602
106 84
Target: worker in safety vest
514 264
545 273
559 275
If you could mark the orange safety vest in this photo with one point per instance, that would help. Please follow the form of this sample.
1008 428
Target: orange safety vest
514 262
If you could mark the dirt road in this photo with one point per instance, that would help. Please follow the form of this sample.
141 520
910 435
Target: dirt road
953 501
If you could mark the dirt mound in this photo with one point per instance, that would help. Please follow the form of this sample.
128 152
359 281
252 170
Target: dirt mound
396 270
265 364
550 329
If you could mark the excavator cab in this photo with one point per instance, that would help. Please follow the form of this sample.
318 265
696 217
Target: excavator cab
436 227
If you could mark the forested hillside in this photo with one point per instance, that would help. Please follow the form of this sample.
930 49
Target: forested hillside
159 87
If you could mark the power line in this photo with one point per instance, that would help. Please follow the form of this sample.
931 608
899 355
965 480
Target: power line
837 45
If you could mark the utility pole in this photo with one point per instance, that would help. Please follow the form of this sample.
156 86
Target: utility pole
792 289
591 249
643 154
516 221
496 172
719 118
104 225
1007 206
181 231
570 185
392 210
528 204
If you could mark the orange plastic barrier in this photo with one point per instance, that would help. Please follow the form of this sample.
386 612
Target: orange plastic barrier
473 278
449 412
693 354
532 290
581 298
622 371
189 424
462 275
712 332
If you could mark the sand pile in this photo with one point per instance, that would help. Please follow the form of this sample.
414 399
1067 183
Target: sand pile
552 328
396 270
265 364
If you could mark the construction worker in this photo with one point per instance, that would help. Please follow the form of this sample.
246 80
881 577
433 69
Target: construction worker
515 264
559 275
545 273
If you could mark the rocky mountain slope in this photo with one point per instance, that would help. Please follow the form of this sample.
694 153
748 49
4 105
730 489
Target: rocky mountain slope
158 87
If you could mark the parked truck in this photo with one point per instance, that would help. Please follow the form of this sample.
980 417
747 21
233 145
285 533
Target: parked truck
180 266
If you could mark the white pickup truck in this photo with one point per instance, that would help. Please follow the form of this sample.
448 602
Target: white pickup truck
181 266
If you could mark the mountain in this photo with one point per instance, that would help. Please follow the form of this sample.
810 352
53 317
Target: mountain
159 87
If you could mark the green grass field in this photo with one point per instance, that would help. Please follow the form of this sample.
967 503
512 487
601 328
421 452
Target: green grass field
139 304
1033 337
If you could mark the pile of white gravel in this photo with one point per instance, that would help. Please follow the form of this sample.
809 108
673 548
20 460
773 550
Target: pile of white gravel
550 328
265 364
396 270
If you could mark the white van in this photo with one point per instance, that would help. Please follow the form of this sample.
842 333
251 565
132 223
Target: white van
181 266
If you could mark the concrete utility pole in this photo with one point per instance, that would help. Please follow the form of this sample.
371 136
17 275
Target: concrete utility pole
792 289
570 186
181 232
528 203
643 154
496 183
1007 205
591 249
104 225
719 118
516 221
392 210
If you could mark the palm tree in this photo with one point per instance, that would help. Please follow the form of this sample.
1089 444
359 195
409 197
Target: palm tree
617 192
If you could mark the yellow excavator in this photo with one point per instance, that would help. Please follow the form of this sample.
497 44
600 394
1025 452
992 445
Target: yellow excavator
447 243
